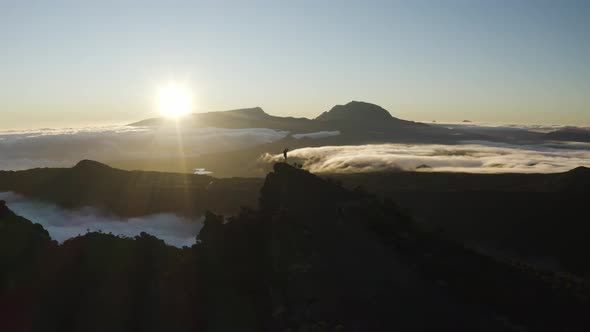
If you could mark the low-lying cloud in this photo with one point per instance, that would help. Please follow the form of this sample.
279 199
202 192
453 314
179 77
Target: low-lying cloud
471 157
487 126
65 147
316 135
63 224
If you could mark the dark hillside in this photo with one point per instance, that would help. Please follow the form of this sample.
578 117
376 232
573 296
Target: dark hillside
346 260
132 193
314 256
528 217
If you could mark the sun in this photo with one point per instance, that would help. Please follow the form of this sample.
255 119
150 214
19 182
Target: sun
174 100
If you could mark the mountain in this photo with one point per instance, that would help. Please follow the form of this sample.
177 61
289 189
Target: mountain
350 115
312 256
534 218
374 120
94 282
132 193
354 123
240 118
552 234
357 246
358 123
356 111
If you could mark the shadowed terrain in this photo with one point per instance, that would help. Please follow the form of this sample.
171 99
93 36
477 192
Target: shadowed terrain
313 256
539 218
132 193
536 218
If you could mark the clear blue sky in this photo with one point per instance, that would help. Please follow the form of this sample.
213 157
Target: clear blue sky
72 63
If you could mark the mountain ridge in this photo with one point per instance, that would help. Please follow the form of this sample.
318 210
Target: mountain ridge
255 117
358 123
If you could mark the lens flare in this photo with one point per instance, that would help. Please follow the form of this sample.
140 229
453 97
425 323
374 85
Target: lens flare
175 100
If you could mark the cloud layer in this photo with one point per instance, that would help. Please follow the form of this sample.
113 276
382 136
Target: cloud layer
487 126
472 157
319 134
63 224
65 147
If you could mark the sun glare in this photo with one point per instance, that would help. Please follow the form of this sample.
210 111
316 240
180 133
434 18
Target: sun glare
174 100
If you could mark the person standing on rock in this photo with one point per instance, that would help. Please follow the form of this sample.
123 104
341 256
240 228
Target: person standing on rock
285 154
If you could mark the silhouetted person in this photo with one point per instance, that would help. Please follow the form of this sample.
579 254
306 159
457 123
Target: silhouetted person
3 208
285 153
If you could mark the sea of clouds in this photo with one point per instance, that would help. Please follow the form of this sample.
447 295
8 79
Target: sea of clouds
63 224
471 157
65 147
488 126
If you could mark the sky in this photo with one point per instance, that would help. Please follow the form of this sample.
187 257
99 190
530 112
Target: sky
75 63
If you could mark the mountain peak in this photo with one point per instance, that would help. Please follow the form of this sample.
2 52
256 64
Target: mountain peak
251 112
357 111
580 170
91 164
289 186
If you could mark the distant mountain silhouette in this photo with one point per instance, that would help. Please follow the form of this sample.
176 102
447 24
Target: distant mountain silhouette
356 111
361 117
569 134
240 118
351 114
358 122
361 122
92 166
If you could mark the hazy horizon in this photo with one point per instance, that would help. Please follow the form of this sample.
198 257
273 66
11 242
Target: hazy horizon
79 64
61 125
